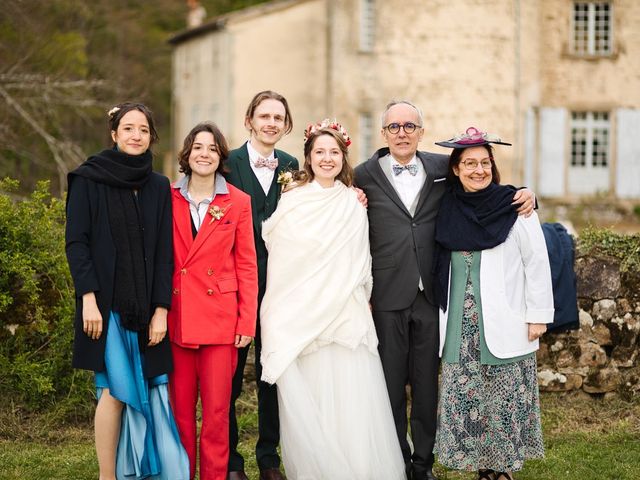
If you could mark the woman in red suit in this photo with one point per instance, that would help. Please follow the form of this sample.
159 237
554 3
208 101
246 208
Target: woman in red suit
215 288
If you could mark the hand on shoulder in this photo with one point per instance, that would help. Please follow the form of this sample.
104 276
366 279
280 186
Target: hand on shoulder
362 197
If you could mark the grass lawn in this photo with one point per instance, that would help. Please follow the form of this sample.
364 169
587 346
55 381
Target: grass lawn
585 439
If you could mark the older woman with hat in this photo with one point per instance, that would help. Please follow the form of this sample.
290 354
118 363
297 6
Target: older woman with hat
494 289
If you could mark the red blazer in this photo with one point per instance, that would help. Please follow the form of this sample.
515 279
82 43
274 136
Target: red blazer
215 279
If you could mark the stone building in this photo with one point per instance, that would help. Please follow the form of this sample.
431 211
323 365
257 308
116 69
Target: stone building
558 78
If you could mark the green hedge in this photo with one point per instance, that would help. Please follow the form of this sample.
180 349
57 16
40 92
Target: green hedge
36 308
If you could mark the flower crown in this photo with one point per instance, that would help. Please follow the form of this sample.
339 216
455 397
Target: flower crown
113 111
326 123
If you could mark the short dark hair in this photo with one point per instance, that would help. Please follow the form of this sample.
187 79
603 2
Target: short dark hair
218 138
456 157
259 97
121 109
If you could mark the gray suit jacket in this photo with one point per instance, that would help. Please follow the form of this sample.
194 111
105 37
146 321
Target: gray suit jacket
401 244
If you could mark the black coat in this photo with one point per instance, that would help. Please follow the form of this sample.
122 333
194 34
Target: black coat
92 254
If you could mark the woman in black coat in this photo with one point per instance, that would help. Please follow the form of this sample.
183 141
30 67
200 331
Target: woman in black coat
119 248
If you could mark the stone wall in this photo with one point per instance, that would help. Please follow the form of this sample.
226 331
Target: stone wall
602 355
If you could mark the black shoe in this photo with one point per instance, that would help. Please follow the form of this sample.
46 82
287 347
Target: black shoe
271 474
240 475
430 475
485 474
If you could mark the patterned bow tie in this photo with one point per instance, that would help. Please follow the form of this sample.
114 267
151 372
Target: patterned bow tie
412 169
264 162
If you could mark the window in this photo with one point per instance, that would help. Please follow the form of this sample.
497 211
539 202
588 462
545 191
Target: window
592 28
366 136
367 25
590 139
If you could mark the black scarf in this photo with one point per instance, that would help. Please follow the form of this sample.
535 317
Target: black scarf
124 175
470 221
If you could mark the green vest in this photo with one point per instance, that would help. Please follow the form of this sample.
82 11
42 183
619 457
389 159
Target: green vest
262 207
459 276
240 175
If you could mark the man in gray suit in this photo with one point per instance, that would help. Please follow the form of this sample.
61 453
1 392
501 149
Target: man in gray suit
404 187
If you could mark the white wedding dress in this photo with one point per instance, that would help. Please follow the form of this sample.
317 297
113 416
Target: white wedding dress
319 343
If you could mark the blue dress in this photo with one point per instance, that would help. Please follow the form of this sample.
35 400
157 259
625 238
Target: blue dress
149 444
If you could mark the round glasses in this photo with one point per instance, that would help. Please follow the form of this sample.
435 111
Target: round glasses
473 164
408 127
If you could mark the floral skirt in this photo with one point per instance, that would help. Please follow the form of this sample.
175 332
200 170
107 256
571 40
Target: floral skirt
489 415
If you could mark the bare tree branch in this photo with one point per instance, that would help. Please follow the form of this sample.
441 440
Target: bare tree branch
57 147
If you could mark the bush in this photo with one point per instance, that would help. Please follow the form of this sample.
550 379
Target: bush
36 308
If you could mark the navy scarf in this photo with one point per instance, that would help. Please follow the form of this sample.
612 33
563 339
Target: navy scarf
125 176
117 169
470 221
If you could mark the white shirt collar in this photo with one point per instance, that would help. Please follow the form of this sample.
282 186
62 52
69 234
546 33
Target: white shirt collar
254 155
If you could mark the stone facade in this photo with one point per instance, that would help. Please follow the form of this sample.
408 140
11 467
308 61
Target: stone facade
572 81
602 355
504 66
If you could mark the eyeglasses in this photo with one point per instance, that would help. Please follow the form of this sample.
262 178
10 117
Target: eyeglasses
473 164
408 127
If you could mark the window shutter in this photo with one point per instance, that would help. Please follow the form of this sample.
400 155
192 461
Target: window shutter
628 153
551 171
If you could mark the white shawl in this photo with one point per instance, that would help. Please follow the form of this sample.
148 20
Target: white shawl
318 276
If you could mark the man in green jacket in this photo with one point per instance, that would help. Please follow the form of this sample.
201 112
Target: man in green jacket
254 168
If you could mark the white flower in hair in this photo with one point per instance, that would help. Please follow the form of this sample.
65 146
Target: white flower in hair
113 111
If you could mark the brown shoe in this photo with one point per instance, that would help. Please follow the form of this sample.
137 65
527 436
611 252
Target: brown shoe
237 476
271 474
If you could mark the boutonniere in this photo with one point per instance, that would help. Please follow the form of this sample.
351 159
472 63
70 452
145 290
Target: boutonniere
285 177
217 213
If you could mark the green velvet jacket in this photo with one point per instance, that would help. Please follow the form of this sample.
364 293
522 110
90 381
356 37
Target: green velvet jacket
241 176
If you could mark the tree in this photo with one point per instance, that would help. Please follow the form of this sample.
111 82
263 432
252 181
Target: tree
66 62
46 89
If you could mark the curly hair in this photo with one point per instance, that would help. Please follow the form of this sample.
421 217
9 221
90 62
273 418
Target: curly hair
218 138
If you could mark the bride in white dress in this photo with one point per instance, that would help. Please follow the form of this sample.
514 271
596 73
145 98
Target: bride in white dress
319 341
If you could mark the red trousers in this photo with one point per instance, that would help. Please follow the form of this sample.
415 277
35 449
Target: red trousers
211 367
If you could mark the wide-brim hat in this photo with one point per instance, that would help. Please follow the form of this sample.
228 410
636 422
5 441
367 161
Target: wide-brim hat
472 138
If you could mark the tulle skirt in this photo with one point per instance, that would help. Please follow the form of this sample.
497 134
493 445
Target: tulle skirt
335 418
149 444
